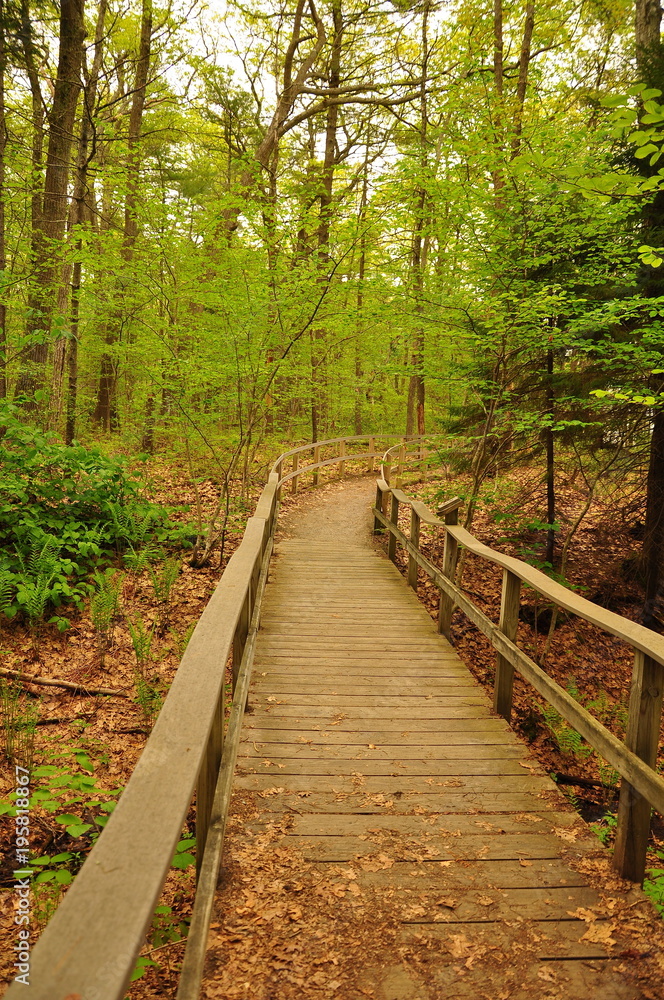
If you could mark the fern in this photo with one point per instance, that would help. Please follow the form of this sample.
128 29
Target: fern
19 723
141 638
164 578
104 605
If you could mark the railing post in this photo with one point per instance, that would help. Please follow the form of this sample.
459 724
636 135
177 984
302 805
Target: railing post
415 539
207 776
509 621
387 475
378 528
645 712
279 470
342 464
372 448
446 605
401 461
392 540
241 633
316 460
294 480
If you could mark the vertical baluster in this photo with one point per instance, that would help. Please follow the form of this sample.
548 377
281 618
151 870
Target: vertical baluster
509 621
394 518
645 713
415 539
372 449
207 777
296 462
446 606
342 464
315 462
378 527
280 467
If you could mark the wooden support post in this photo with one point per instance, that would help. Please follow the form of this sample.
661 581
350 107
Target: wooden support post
446 605
645 712
295 478
401 461
241 633
378 528
392 540
207 777
280 466
415 539
372 448
509 621
342 464
315 462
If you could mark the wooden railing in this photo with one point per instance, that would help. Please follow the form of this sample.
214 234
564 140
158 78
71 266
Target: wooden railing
90 946
642 787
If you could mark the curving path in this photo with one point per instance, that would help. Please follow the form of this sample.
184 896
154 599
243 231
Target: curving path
391 838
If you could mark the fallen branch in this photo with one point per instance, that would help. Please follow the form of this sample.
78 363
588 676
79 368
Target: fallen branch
19 675
570 779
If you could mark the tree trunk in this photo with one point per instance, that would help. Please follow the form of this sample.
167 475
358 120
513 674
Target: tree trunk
653 543
50 228
82 216
106 413
318 380
550 466
416 390
3 256
647 26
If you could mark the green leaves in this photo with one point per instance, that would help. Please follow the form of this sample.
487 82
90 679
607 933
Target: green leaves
182 857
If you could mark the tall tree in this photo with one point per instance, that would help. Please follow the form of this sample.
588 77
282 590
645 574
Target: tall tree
49 226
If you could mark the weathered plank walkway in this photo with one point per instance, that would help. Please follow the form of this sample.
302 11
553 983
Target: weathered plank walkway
372 755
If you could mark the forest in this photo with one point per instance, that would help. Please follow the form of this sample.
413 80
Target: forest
227 229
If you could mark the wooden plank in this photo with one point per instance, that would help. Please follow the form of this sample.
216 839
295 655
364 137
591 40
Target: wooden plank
458 824
343 702
409 715
543 873
487 804
404 769
389 729
388 784
334 630
553 939
334 655
254 750
406 686
366 737
286 667
519 847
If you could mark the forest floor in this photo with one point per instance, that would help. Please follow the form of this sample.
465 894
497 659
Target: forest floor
83 736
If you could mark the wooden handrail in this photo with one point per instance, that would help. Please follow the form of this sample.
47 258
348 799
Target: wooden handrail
635 760
328 441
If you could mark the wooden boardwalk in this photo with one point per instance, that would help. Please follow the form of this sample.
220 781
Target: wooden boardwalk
372 756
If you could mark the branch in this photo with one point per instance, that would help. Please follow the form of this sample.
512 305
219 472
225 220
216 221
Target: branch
19 675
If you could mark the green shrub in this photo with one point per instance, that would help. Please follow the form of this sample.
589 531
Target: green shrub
64 513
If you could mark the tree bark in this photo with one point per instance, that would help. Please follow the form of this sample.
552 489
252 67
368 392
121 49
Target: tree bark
318 380
3 256
50 227
647 29
550 462
106 413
